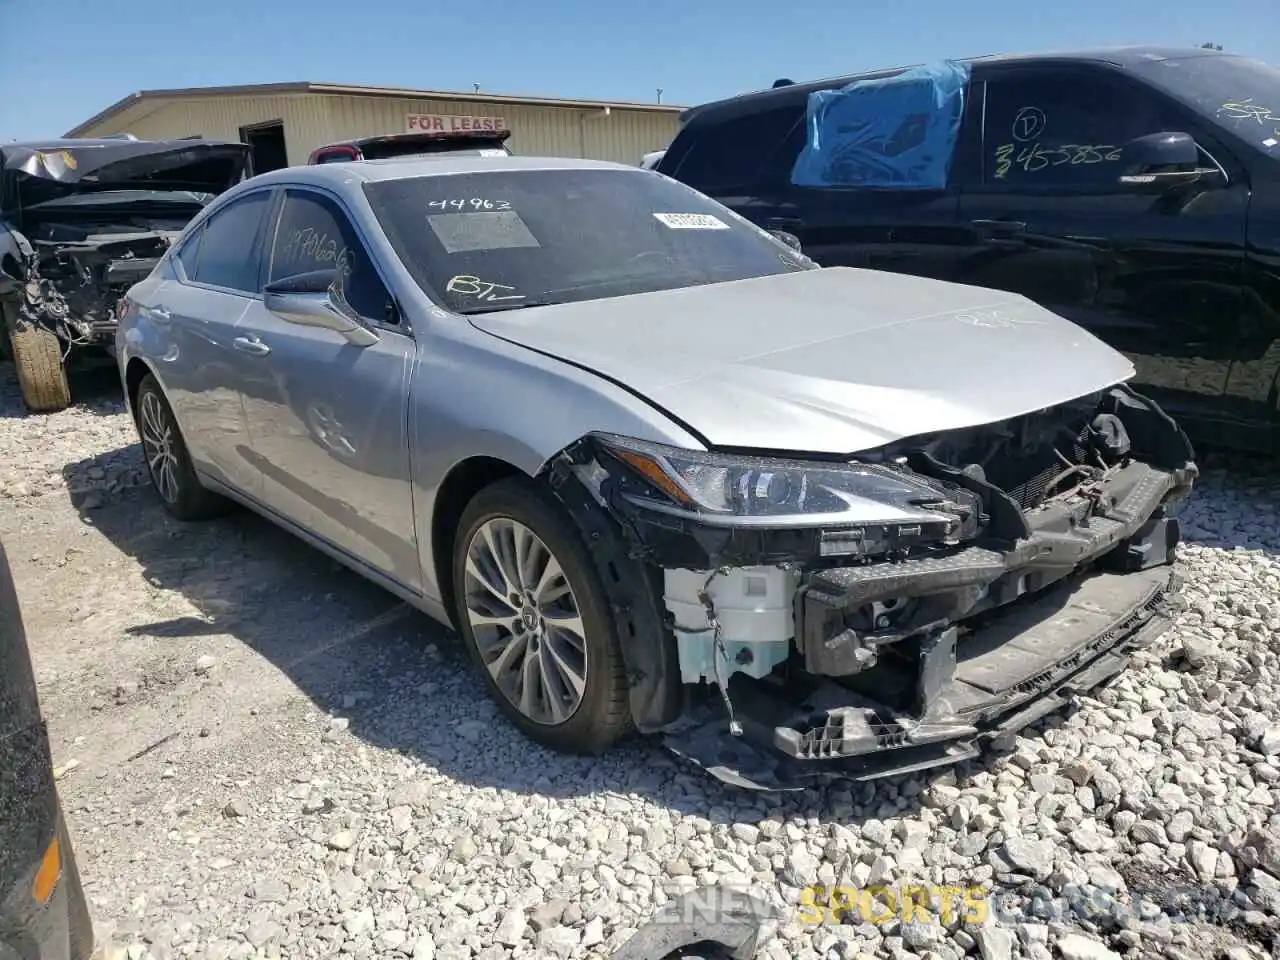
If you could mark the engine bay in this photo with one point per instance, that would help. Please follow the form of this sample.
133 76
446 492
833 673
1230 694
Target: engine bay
67 275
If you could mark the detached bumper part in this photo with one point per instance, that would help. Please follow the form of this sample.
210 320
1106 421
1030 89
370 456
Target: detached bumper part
713 923
966 647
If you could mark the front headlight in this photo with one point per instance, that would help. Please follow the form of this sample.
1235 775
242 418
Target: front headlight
732 490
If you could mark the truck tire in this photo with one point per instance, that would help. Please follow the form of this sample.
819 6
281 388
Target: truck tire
42 379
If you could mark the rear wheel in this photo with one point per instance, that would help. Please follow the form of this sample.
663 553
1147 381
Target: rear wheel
534 616
168 462
37 358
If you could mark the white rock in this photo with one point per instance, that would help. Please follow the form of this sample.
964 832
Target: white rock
1075 946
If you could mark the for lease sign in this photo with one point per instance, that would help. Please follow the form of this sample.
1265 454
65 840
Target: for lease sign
450 123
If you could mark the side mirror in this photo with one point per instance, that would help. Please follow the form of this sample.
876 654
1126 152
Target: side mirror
790 239
1160 160
315 299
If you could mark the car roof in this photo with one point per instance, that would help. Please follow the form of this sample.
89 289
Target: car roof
1123 57
404 168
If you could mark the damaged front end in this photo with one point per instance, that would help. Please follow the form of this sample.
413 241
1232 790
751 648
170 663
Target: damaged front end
69 278
83 220
889 613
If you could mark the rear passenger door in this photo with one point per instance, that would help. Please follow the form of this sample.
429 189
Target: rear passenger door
746 163
913 231
327 419
218 266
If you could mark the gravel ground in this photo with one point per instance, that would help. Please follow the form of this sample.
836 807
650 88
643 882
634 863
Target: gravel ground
262 755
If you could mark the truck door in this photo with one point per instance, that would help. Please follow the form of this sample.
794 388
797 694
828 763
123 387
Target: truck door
1156 275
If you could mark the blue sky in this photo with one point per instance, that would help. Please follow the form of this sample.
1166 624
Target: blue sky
62 62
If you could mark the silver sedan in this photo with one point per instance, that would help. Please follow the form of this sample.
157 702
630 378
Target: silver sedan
656 467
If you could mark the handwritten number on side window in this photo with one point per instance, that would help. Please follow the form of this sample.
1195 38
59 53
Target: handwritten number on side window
469 203
483 290
1034 158
307 243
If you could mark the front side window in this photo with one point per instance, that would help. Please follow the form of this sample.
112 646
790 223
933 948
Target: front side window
314 234
1056 130
480 242
228 250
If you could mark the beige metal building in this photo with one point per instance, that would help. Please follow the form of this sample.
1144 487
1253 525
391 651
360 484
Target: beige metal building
284 122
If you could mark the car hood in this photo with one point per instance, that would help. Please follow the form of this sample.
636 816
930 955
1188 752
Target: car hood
49 171
830 361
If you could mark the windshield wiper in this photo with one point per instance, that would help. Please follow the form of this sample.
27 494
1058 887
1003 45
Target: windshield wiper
501 307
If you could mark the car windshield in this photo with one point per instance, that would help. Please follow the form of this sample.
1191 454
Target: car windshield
488 241
1239 94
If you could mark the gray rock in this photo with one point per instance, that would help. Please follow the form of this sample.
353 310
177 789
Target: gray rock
511 928
1033 857
361 921
1269 740
413 793
558 941
1075 946
802 867
463 849
994 942
548 914
341 840
271 890
205 664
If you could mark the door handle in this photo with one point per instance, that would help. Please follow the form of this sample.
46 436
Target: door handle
251 345
1000 226
158 314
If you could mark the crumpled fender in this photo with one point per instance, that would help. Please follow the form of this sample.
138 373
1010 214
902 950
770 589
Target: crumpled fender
16 253
729 919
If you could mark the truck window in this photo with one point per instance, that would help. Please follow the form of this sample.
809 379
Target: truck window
734 153
1059 129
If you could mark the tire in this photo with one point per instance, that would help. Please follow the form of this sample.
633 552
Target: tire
168 463
42 378
589 716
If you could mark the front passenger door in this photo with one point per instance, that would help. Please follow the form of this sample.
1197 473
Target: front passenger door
328 419
1156 275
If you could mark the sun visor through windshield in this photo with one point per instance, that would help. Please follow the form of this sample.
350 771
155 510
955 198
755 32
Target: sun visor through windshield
896 132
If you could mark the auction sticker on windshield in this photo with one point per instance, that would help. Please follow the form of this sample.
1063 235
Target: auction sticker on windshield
691 221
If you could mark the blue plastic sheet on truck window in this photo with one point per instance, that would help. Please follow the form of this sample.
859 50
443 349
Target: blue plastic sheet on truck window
897 132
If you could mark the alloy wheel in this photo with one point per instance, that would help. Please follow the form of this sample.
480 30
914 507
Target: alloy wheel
158 446
526 621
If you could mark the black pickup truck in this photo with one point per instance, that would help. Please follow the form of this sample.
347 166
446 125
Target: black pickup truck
1135 191
81 221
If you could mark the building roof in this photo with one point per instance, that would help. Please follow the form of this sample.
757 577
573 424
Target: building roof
356 90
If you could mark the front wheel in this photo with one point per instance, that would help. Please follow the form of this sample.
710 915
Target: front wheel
37 359
534 616
168 461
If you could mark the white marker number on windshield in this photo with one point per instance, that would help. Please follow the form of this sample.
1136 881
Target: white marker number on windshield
473 203
480 289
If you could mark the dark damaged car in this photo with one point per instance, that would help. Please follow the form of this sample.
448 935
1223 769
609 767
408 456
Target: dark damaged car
659 469
80 222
